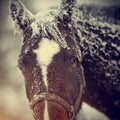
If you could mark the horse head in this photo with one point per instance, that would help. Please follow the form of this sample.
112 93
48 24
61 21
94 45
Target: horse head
50 60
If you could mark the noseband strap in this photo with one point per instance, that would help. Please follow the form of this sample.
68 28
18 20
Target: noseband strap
72 109
49 97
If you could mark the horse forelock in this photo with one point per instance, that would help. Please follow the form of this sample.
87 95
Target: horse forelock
51 26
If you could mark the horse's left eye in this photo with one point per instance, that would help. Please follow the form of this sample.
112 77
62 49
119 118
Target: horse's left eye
73 60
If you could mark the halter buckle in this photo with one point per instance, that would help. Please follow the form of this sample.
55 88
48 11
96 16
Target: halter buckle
72 113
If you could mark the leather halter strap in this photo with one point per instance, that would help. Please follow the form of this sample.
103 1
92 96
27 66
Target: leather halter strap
72 109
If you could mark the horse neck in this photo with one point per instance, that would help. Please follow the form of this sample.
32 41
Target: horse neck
101 71
99 67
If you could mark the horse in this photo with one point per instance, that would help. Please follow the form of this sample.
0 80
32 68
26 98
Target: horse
67 58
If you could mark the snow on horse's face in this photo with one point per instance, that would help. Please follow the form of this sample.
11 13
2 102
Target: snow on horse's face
50 64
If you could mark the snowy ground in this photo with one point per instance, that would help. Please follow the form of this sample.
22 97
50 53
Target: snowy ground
13 102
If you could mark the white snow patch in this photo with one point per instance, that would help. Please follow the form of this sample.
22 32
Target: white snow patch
97 23
35 28
44 20
45 53
46 114
47 15
104 43
116 46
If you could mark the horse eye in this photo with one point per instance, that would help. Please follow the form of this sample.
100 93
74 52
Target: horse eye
73 60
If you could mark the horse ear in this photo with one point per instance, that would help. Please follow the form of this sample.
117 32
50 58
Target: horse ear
68 3
67 9
20 14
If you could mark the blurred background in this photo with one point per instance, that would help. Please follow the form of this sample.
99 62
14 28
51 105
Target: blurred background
13 102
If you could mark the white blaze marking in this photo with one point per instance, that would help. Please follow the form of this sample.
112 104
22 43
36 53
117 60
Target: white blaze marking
45 53
46 114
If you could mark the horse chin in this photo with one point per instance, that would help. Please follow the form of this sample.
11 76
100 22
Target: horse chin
49 110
